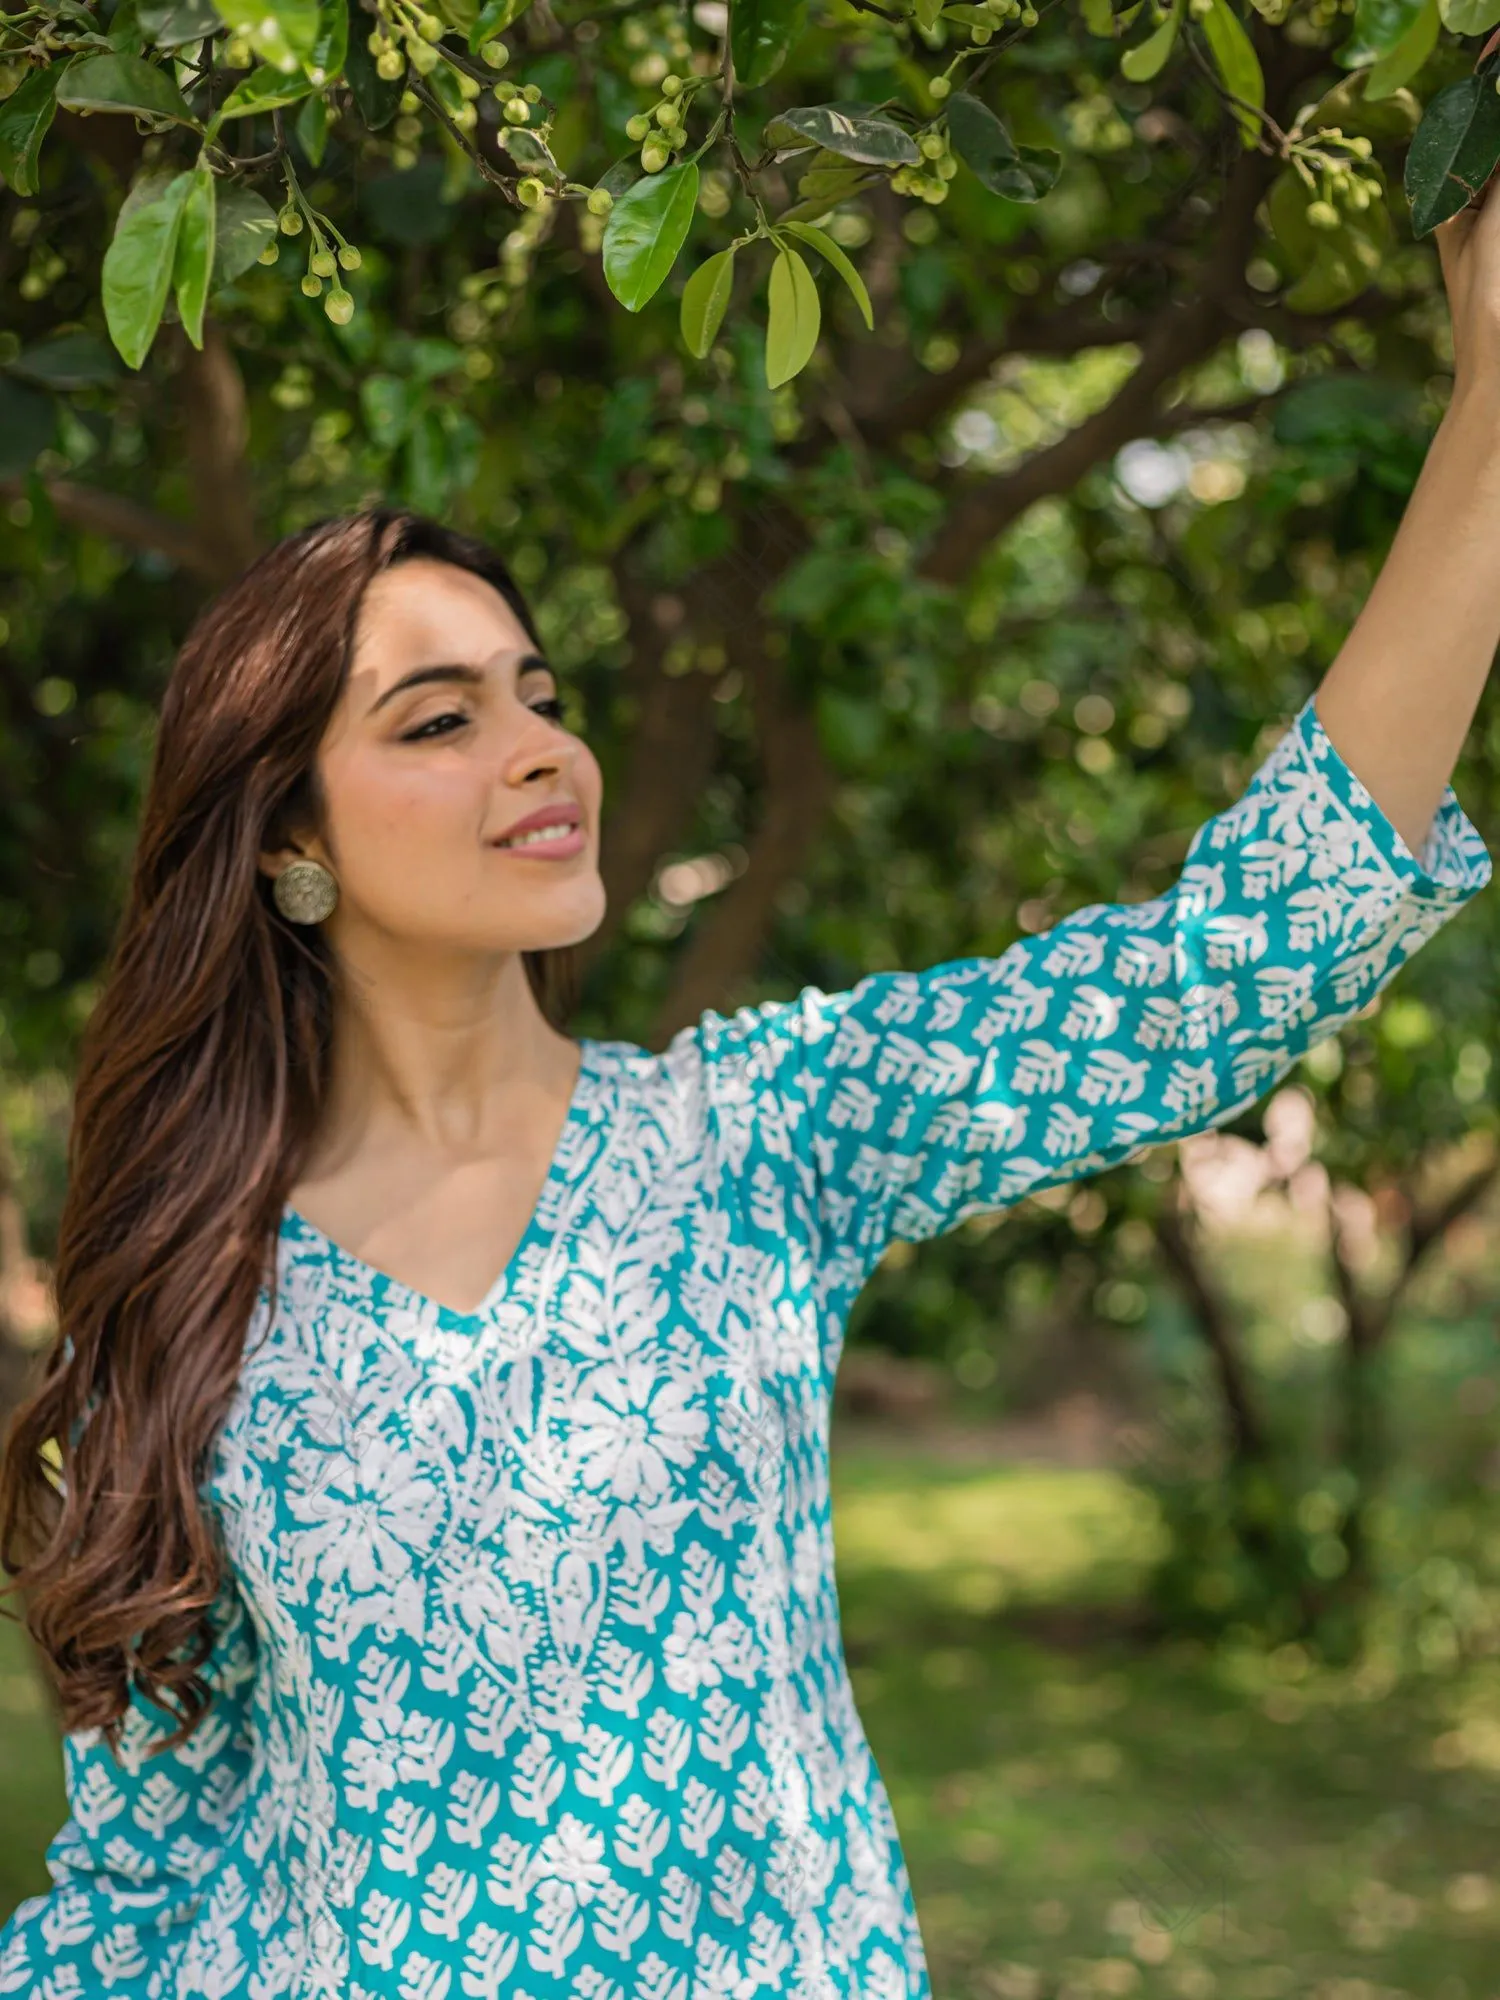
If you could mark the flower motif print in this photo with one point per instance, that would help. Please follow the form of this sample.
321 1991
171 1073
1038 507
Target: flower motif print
527 1671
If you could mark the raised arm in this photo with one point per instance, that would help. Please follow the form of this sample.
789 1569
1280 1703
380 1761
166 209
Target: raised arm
917 1099
1400 695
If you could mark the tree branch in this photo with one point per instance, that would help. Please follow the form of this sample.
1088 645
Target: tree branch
98 512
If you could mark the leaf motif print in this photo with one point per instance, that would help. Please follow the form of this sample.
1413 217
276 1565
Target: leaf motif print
528 1679
1093 1015
642 1835
1077 953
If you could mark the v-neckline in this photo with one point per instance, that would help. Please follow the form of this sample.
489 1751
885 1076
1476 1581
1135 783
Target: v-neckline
384 1285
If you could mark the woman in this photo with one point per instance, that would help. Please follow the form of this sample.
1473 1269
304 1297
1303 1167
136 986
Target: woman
523 1669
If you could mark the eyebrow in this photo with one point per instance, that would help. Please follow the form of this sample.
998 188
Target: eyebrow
455 671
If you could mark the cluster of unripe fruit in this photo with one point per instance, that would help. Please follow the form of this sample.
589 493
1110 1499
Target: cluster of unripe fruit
661 131
939 165
322 263
1002 11
1342 184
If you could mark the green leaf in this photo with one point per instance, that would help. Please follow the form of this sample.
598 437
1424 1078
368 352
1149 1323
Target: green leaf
844 130
494 18
459 14
375 97
1408 58
138 263
826 247
245 224
330 50
194 260
172 24
760 34
67 361
283 33
1379 26
792 326
927 14
1453 151
1146 59
123 83
1238 64
645 229
264 89
28 424
1469 17
1099 18
312 129
704 298
1020 173
24 118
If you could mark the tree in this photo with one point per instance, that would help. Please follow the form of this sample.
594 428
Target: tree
883 658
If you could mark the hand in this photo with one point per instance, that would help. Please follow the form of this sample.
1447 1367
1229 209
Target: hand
1469 251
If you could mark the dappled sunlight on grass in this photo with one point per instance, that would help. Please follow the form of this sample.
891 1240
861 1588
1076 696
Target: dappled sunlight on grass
1117 1820
979 1540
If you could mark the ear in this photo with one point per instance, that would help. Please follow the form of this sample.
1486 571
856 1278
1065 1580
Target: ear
272 860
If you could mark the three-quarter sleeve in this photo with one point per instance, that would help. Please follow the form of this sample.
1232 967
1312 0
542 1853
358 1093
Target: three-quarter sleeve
143 1842
914 1100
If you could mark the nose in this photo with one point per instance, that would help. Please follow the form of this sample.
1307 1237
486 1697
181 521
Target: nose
540 749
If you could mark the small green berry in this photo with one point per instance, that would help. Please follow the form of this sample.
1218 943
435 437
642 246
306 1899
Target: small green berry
939 87
389 66
375 41
321 263
1322 215
933 144
495 54
516 111
349 257
600 201
531 192
654 156
947 167
424 58
667 114
671 86
468 88
271 252
532 92
289 222
979 36
429 27
311 285
339 306
637 127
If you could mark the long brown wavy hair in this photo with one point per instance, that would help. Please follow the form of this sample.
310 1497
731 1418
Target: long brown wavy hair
201 1077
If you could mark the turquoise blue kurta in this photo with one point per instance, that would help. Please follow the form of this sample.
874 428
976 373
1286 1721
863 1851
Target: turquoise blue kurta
529 1678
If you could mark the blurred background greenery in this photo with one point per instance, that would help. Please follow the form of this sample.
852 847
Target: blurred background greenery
1166 1505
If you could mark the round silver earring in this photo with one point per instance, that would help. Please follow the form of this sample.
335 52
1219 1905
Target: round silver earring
305 892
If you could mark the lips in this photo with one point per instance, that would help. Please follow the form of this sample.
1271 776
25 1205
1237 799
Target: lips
548 816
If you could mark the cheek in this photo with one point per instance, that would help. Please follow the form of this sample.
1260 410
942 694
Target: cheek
416 804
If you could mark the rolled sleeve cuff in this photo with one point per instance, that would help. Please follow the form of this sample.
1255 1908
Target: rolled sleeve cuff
1454 863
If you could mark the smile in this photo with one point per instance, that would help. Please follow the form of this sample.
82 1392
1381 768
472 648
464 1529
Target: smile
553 840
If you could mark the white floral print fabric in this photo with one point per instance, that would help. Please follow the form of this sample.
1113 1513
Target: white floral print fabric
529 1679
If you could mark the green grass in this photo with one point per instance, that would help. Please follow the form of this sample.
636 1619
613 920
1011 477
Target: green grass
1096 1819
1110 1821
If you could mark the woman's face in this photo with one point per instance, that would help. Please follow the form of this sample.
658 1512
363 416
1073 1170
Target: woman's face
446 736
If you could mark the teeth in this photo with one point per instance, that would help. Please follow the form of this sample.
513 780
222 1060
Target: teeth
539 833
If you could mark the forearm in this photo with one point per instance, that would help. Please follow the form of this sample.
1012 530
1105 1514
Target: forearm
1399 697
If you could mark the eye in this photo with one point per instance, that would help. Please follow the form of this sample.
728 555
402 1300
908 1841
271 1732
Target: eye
448 715
551 706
